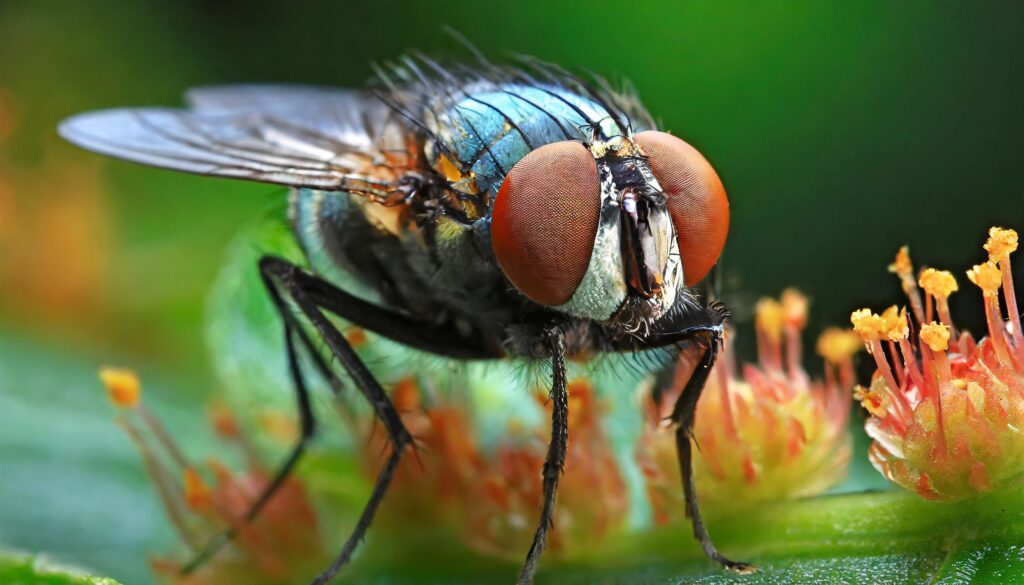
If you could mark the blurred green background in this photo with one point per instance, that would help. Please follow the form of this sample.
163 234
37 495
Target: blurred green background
842 130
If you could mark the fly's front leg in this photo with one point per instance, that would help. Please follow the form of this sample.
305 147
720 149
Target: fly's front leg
683 416
555 458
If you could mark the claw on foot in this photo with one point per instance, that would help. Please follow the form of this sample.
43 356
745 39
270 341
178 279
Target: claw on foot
740 568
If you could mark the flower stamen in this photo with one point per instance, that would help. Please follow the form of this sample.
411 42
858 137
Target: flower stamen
904 269
1001 243
939 284
989 279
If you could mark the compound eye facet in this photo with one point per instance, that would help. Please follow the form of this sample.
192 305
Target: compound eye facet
696 200
545 219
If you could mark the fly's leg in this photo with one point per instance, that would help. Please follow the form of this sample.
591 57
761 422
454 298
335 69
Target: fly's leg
683 416
555 460
307 421
292 279
311 295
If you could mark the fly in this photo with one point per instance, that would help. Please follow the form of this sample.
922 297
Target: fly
493 211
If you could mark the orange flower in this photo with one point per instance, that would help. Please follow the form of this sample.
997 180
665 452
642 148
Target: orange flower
280 545
946 411
770 433
493 497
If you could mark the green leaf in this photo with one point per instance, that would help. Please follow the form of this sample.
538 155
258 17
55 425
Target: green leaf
23 569
72 486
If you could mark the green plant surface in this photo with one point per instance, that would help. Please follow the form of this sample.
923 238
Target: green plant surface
869 538
19 569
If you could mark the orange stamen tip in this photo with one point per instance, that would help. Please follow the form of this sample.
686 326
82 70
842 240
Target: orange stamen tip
406 395
1001 243
838 345
794 307
122 385
356 337
197 493
987 277
223 422
867 324
894 324
938 283
768 317
936 336
902 265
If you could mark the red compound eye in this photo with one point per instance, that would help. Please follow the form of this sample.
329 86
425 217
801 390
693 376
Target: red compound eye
545 220
696 200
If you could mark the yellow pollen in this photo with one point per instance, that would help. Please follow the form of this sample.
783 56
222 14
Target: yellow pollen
872 401
866 324
794 307
894 324
936 335
901 265
838 345
1001 243
768 317
987 276
938 283
123 386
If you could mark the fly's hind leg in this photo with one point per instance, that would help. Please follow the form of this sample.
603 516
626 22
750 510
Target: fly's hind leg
311 295
307 421
683 416
299 285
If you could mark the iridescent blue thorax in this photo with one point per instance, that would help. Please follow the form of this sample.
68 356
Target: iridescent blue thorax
490 127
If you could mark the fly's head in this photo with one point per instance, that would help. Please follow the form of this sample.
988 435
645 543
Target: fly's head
613 231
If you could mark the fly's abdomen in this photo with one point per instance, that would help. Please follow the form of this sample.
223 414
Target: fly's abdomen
485 128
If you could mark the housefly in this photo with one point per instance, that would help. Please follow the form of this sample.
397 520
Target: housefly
495 211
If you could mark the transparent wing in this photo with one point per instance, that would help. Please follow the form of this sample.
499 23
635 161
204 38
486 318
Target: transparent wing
290 135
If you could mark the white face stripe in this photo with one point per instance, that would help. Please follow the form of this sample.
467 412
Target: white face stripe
603 289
